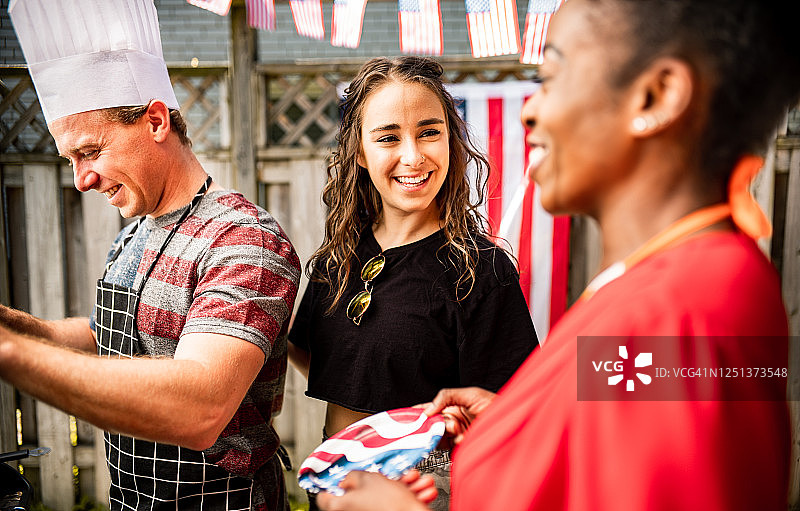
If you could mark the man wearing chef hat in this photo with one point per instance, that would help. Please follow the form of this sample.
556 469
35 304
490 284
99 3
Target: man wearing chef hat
192 310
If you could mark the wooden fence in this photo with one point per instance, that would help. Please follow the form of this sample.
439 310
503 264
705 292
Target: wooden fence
267 131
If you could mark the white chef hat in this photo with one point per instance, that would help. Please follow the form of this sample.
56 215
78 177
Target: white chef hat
90 54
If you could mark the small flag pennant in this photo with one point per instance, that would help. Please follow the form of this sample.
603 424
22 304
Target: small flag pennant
420 27
307 16
261 14
220 7
346 22
492 27
536 24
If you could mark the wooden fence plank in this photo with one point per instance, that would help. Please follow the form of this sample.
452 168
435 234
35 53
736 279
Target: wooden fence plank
8 412
45 261
763 189
791 290
307 228
243 84
101 224
585 250
8 405
791 245
220 170
302 415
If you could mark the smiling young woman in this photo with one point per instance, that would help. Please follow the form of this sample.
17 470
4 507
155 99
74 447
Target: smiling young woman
408 295
650 118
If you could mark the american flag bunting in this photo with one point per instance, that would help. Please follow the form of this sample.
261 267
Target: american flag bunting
420 27
307 16
220 7
261 14
346 22
536 23
492 27
539 241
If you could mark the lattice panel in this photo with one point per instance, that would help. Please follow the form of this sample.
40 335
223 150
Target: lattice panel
201 94
303 108
202 99
22 125
302 111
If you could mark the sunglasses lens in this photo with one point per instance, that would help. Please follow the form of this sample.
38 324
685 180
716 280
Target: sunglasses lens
358 305
372 268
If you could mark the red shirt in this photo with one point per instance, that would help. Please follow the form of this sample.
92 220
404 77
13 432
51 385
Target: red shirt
539 448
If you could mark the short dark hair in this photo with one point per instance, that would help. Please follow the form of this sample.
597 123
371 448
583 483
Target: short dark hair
744 49
131 114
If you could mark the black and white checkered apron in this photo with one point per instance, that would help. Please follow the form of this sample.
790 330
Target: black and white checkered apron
148 475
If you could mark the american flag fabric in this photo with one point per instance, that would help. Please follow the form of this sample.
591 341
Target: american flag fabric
307 16
220 7
536 23
539 241
346 21
388 442
261 14
492 26
420 27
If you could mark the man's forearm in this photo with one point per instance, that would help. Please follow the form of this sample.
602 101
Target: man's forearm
72 332
186 400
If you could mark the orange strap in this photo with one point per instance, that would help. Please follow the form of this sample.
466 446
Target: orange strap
681 228
745 211
742 208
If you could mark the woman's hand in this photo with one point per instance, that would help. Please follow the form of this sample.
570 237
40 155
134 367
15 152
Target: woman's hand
459 407
367 491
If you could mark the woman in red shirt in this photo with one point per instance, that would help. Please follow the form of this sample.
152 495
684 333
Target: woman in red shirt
647 119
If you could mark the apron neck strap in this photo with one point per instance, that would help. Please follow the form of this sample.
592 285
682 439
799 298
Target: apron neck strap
189 209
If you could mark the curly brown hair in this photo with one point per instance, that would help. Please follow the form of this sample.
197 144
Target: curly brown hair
355 204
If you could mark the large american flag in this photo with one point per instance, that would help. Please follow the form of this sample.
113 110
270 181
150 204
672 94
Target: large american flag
307 16
346 21
261 14
420 27
492 27
220 7
536 23
539 241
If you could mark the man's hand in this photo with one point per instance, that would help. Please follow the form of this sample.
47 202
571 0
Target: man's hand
368 491
459 407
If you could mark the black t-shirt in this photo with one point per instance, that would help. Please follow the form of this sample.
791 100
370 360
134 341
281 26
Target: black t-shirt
415 338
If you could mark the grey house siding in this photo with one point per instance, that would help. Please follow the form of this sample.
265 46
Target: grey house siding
189 32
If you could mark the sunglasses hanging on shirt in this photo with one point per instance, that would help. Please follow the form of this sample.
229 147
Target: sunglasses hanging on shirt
360 302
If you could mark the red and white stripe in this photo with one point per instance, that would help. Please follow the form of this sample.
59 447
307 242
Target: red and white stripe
261 14
494 32
536 25
220 7
392 430
421 30
346 22
539 241
307 16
